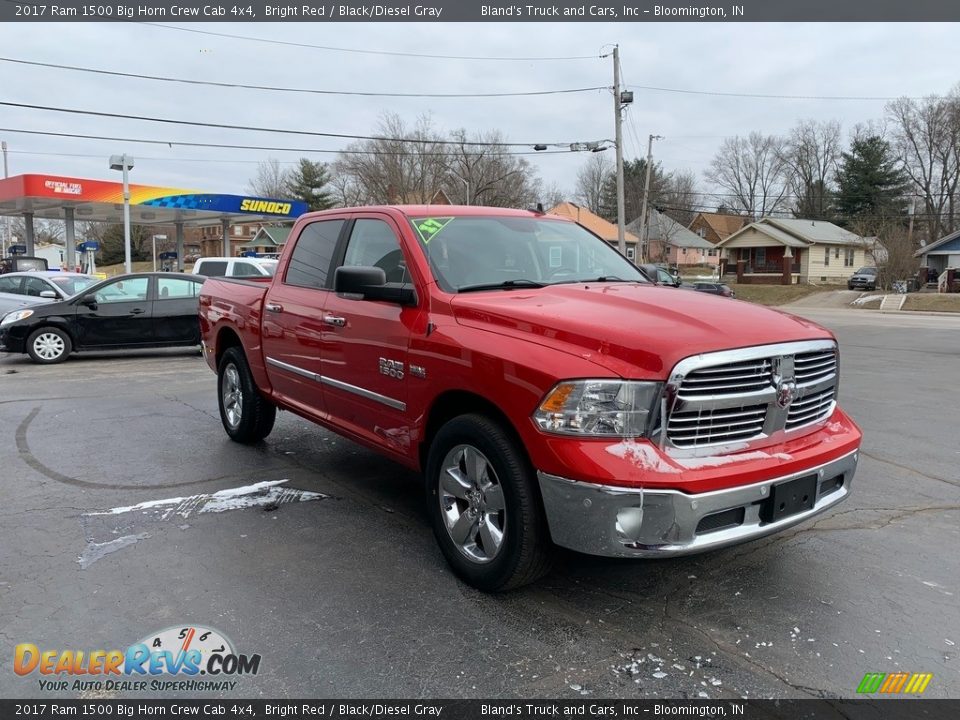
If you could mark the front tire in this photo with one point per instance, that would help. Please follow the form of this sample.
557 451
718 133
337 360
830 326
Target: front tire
246 415
49 345
484 505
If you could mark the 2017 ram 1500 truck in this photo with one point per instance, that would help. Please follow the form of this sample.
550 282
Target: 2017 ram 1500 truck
549 394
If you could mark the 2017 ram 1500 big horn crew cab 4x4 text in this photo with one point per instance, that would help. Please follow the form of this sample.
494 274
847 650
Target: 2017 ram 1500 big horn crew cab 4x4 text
549 394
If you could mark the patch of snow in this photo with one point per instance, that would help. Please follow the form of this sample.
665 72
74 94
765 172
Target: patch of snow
659 675
642 455
718 460
95 551
863 300
259 494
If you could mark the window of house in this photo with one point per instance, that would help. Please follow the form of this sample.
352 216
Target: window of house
761 256
712 253
848 257
826 257
630 253
238 230
836 253
310 262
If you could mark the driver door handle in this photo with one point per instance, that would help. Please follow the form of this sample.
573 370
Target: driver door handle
335 321
137 311
273 307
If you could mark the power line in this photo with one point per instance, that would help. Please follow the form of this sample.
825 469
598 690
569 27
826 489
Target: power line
284 131
272 88
173 143
767 96
359 51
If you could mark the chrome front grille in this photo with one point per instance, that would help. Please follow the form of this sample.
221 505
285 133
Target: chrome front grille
735 378
706 427
810 409
813 366
749 395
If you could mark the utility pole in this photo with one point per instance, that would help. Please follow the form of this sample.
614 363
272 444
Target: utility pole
6 220
618 143
646 195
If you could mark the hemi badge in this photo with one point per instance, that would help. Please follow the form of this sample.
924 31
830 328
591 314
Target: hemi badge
418 371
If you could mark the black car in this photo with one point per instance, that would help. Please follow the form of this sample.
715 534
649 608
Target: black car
715 288
141 310
864 279
660 276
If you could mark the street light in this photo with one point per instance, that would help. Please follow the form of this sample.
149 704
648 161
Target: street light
125 163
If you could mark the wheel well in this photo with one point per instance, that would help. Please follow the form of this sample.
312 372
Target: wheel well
56 326
460 402
226 340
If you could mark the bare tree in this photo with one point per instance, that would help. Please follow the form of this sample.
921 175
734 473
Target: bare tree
270 179
486 174
927 136
887 239
591 178
751 169
402 165
811 155
680 198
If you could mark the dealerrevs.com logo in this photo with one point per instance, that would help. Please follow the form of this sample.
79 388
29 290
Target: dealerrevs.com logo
184 658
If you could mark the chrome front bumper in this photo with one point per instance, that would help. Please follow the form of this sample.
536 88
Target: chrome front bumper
633 522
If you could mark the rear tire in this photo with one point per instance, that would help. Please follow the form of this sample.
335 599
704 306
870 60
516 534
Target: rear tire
485 507
246 415
49 345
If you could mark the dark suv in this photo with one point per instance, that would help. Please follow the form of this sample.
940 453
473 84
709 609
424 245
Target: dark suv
863 279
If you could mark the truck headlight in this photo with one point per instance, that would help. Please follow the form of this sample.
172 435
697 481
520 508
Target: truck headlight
598 408
12 317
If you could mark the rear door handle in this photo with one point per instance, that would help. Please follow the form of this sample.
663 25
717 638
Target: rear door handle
273 307
336 321
137 311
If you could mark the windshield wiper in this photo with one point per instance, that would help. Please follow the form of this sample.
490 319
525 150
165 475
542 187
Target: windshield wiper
505 285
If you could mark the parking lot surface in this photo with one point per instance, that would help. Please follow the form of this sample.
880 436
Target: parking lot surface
342 590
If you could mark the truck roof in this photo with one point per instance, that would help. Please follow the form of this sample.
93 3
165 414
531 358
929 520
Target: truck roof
442 210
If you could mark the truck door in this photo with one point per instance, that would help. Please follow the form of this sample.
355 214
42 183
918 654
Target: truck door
292 316
364 343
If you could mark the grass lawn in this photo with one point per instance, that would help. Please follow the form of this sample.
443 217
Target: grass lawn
776 294
933 302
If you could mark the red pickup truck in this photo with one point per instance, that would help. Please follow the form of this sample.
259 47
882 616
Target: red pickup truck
549 394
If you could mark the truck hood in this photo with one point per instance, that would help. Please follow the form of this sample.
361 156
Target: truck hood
632 330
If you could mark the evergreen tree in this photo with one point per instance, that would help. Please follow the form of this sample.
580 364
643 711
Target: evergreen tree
634 176
306 182
870 183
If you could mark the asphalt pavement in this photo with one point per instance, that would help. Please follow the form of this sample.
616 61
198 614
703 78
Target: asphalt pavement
334 578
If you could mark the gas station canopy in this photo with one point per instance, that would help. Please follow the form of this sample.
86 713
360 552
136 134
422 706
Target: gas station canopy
50 197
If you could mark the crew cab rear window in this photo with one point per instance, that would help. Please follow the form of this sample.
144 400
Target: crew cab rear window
310 263
213 268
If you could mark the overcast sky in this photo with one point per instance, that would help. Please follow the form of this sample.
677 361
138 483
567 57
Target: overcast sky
792 59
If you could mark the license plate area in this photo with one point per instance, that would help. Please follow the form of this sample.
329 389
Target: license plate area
789 498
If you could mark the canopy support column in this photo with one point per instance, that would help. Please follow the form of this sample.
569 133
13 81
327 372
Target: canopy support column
70 239
28 228
179 226
225 223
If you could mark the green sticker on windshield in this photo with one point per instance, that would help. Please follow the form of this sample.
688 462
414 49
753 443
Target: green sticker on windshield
428 228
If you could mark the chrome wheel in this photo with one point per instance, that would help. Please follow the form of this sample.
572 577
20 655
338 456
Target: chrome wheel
232 396
472 503
48 346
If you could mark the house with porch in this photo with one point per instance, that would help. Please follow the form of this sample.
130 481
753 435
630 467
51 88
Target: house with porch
941 254
267 240
776 251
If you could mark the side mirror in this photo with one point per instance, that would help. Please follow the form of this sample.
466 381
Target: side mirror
371 283
90 301
48 294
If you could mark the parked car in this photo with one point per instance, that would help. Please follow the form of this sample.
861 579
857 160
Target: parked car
864 279
716 288
661 276
40 286
234 267
141 310
549 393
19 263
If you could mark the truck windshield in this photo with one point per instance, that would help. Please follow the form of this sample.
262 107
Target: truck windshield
487 253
